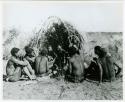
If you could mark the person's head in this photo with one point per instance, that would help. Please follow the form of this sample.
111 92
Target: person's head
73 50
99 51
29 51
14 51
43 52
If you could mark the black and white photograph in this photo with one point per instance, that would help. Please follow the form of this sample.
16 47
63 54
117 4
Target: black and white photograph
62 50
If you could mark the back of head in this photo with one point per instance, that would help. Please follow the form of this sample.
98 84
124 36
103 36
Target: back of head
43 52
100 51
14 51
28 50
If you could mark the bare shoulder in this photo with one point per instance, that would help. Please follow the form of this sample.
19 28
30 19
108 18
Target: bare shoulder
109 57
75 58
38 57
78 57
9 62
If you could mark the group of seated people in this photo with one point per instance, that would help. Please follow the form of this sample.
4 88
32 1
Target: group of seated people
23 63
101 68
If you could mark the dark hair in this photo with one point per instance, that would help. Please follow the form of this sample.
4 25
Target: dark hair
28 50
97 48
14 51
101 51
43 52
73 50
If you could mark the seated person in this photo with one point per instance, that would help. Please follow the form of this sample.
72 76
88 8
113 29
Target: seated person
51 57
15 65
75 72
51 54
41 63
30 56
102 67
61 59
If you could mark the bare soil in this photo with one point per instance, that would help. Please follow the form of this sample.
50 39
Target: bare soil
52 89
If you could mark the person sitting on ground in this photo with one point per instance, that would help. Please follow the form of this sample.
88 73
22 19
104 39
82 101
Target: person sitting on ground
15 66
51 61
30 56
51 54
75 72
41 63
102 67
61 59
51 57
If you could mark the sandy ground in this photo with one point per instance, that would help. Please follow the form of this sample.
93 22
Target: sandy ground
52 89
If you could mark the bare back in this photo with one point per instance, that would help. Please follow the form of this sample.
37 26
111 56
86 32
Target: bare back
41 64
76 65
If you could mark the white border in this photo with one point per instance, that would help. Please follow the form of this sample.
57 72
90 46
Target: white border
1 65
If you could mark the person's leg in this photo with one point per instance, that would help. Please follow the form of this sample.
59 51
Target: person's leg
16 75
10 70
89 69
26 70
30 69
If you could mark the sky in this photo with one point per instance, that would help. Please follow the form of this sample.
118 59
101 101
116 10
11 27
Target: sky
87 17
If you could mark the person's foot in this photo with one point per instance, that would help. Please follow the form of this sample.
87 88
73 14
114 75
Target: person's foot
32 77
7 79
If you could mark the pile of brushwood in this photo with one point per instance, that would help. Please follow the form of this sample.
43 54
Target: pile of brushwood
60 36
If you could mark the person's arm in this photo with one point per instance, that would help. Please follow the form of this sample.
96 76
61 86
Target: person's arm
100 72
23 63
30 59
117 65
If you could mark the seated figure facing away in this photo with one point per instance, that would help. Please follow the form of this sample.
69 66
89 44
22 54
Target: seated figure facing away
41 63
15 66
75 71
103 67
